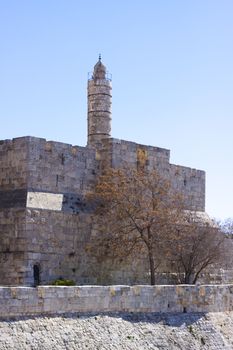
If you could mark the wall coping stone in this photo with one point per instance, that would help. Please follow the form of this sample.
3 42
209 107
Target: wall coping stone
45 300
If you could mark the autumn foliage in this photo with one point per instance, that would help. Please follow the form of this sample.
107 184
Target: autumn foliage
138 213
196 244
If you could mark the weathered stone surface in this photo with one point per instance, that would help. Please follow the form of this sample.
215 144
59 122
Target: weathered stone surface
52 173
13 198
43 300
119 331
43 200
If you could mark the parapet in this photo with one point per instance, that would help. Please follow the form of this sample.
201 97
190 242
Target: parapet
39 165
35 163
47 300
121 153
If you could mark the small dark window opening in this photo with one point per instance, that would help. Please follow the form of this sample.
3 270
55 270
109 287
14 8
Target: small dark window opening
185 182
62 159
36 275
57 178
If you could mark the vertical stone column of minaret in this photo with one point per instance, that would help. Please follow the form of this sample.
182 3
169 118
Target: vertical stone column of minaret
99 105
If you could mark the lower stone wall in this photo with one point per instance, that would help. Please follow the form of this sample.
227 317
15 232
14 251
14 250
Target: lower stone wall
18 301
13 247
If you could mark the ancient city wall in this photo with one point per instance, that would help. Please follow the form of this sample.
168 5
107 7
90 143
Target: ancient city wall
117 153
16 301
13 163
34 163
13 246
59 167
189 182
57 243
54 241
44 221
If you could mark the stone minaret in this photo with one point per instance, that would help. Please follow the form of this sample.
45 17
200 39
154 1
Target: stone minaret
99 105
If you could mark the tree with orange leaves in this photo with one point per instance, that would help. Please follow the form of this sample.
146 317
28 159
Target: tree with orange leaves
135 210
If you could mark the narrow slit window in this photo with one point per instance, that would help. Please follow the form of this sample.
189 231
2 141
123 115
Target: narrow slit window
36 275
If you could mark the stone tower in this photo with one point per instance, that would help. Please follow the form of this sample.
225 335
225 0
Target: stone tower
99 105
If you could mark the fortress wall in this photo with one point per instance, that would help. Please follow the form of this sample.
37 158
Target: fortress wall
59 167
56 243
42 184
13 247
191 184
31 165
45 300
47 166
36 164
53 240
120 153
13 163
126 153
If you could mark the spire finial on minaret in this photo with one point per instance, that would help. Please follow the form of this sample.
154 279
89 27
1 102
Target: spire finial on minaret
100 57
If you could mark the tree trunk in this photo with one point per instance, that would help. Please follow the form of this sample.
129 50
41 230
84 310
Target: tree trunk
152 268
151 257
187 278
196 276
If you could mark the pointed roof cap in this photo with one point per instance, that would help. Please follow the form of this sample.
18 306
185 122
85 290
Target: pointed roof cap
99 70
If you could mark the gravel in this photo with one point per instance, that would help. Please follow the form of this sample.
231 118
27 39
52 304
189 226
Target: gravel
119 331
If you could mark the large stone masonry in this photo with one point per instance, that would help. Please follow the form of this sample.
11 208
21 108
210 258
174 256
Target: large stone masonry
96 299
34 165
14 164
13 246
45 223
189 182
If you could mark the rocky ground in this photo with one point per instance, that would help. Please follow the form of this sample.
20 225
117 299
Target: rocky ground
119 331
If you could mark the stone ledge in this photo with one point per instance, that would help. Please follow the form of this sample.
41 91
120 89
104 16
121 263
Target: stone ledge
44 300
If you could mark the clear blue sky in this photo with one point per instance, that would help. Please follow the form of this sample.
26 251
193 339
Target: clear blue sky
172 67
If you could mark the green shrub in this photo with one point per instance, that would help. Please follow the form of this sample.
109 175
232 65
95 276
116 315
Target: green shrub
63 282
